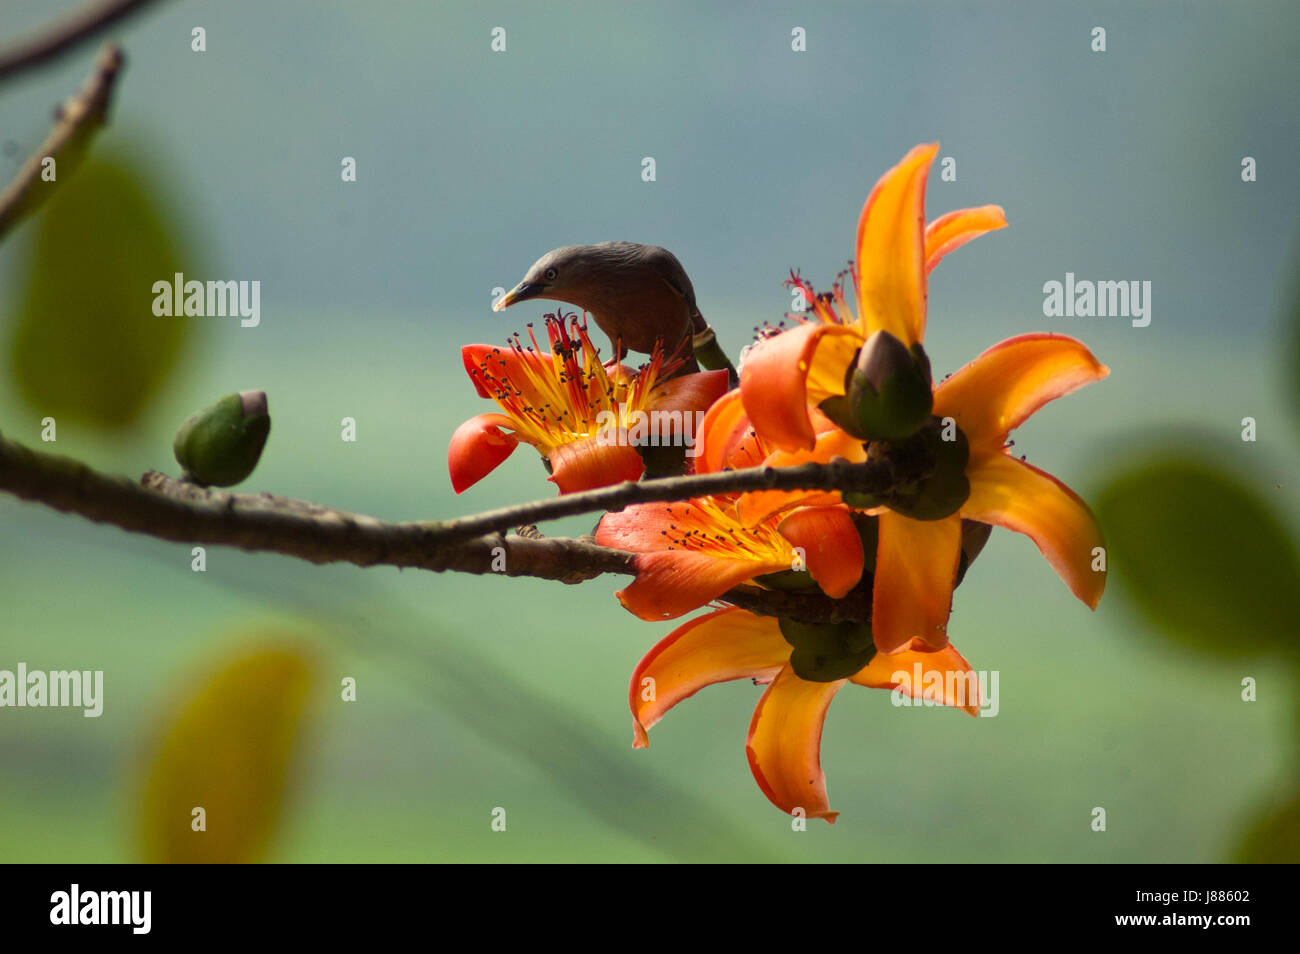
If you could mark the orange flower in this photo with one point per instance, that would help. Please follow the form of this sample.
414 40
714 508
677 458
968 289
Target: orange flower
572 408
808 364
917 560
784 742
692 552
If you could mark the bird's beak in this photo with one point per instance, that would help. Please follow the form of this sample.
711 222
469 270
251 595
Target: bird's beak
521 292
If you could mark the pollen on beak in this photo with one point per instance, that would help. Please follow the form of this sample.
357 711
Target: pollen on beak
521 292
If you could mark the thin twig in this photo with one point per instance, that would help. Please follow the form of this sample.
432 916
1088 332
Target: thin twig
872 477
77 120
65 34
170 509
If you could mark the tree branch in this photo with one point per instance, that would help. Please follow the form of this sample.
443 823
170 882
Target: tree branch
66 34
77 120
169 509
872 477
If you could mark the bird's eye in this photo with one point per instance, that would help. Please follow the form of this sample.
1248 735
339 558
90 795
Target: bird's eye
550 274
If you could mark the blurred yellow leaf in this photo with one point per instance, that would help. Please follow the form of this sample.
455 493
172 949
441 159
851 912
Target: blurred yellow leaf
86 344
227 752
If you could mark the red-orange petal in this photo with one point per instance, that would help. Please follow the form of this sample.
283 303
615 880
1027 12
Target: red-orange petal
640 527
688 392
477 447
774 384
916 567
1013 494
958 686
955 229
720 646
672 582
998 390
587 463
724 427
753 508
504 362
890 259
784 745
831 545
476 357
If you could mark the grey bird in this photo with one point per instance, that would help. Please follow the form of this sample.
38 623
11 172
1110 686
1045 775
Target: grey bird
638 295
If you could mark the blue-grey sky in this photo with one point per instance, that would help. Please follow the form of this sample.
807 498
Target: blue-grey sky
1122 164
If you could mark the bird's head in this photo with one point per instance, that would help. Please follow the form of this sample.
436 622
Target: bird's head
562 274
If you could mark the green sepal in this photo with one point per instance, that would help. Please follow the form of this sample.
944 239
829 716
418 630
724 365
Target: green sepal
663 460
942 492
826 652
787 580
869 532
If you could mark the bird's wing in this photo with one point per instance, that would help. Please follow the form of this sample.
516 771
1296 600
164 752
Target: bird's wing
698 323
670 270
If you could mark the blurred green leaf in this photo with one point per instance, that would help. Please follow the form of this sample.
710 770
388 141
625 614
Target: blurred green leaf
1291 324
228 751
86 344
1202 556
1274 836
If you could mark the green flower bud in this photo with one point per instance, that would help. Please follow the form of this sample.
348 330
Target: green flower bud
825 652
889 390
220 445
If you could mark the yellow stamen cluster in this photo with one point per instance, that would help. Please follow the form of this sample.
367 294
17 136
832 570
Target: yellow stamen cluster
709 525
566 393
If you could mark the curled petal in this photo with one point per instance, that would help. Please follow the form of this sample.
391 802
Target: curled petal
831 545
723 645
916 566
774 383
477 447
830 365
998 390
1013 494
597 461
917 670
784 745
480 357
891 250
672 582
495 362
725 426
957 228
749 451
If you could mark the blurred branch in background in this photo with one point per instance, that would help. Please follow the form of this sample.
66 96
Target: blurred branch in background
76 121
170 509
65 35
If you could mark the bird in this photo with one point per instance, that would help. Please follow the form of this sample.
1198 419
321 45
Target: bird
638 294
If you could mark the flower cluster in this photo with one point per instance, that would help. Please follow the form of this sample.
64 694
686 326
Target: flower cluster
850 379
